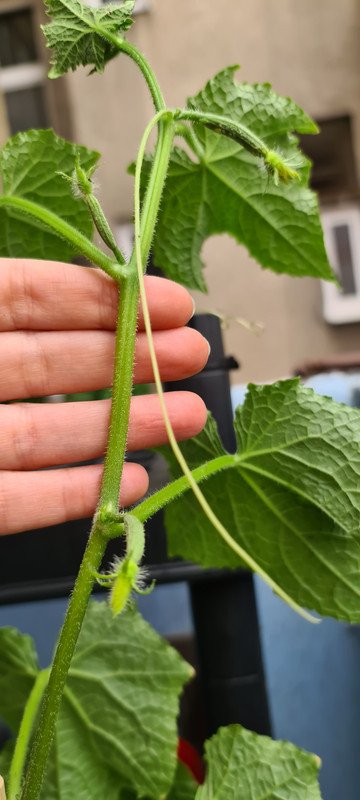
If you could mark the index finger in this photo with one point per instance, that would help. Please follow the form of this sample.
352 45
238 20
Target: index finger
50 295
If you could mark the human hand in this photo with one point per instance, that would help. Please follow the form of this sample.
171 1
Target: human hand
57 326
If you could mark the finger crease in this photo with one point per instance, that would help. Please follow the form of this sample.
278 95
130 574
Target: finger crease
25 439
5 505
35 366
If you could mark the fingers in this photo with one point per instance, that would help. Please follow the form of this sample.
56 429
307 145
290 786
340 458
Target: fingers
36 499
49 295
34 436
57 322
75 431
40 364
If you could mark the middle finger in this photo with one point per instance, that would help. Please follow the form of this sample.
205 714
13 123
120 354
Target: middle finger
40 364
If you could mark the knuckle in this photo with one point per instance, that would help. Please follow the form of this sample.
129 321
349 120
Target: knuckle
4 505
19 300
25 438
34 365
107 304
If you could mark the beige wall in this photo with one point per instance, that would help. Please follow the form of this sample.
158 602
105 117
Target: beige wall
309 50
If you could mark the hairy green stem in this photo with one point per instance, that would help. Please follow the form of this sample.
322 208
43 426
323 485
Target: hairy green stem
45 728
130 50
150 208
125 344
39 215
95 549
122 385
175 489
26 727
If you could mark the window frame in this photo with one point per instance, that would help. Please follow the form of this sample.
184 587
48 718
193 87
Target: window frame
338 308
22 76
29 74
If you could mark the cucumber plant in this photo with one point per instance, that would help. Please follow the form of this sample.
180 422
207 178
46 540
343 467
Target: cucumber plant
101 721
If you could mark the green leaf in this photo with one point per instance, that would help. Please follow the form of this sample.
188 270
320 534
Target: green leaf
29 164
117 725
274 118
75 770
244 765
78 33
226 191
184 786
18 670
290 497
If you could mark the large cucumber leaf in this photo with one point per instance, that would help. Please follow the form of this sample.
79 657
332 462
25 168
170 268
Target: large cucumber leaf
30 164
289 496
117 723
226 191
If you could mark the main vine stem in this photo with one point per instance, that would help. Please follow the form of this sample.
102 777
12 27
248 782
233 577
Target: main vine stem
109 496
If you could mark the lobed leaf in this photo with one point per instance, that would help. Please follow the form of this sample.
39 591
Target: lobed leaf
226 191
77 34
29 163
117 723
244 765
290 497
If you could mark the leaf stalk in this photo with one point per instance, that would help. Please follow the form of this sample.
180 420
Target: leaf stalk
123 46
176 488
42 217
26 727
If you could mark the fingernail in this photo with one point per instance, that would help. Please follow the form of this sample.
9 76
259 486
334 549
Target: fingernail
193 308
